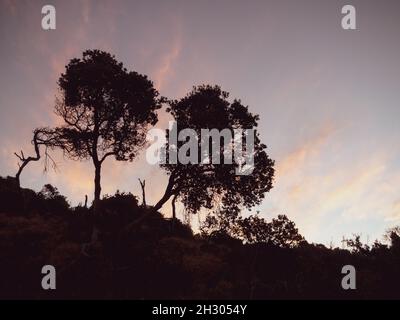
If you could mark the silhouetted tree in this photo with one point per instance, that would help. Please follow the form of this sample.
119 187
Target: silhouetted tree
49 192
222 221
39 138
393 235
205 185
254 229
106 110
283 232
280 231
356 245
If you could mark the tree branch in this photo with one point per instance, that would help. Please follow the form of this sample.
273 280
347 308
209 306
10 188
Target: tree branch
143 185
24 160
107 155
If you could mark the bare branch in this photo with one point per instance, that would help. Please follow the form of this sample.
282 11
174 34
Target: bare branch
143 185
18 156
40 137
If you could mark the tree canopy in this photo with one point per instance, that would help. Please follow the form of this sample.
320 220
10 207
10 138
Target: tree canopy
207 185
106 111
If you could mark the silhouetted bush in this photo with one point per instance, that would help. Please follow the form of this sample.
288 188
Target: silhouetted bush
51 201
11 198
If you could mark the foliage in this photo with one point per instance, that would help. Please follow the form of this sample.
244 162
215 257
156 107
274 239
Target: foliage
253 229
206 185
106 111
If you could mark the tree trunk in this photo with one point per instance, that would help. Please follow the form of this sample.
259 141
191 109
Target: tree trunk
162 201
168 192
17 179
25 161
143 185
97 185
173 208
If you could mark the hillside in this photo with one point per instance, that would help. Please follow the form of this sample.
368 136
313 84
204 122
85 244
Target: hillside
140 255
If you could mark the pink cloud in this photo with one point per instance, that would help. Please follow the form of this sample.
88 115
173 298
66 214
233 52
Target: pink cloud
166 69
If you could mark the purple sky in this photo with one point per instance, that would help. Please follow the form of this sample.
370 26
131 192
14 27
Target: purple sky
328 98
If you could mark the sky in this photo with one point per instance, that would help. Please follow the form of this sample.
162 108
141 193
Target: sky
328 98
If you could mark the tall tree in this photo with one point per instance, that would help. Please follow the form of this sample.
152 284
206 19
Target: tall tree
106 109
207 185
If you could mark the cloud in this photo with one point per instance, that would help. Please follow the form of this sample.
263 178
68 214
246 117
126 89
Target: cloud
346 195
395 212
325 188
166 69
297 158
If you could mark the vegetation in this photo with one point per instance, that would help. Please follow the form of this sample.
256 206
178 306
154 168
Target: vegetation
210 185
141 255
